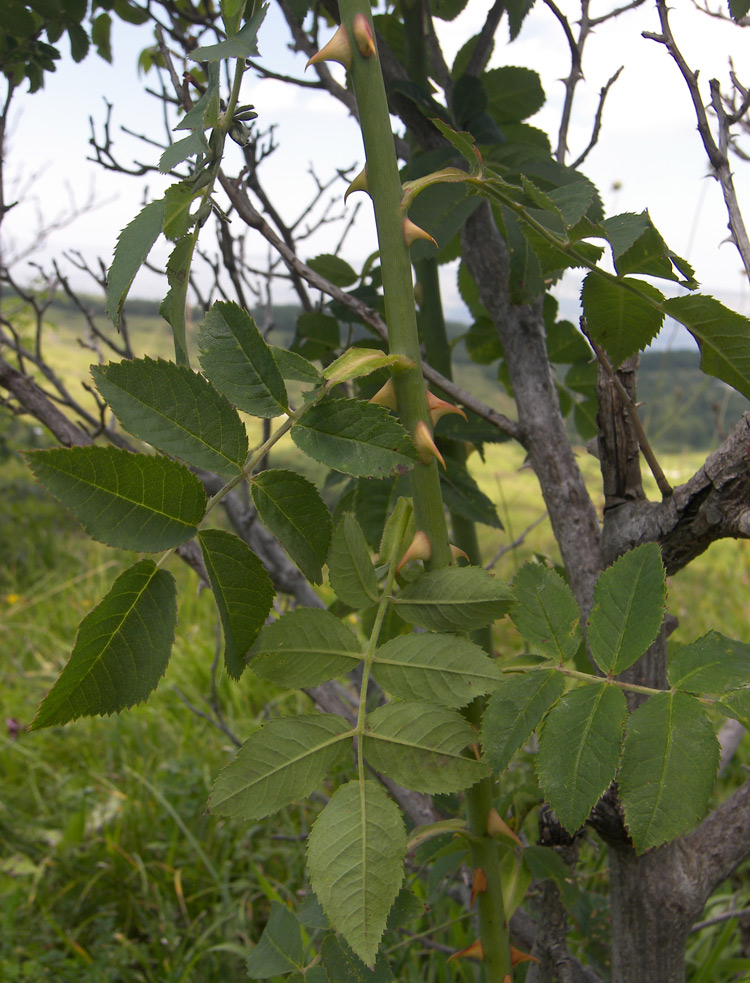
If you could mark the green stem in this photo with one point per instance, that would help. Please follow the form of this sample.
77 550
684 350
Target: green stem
386 192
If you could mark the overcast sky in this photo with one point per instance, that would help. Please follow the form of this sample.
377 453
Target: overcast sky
649 154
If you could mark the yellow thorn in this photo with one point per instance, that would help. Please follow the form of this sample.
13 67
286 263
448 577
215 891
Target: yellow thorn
456 551
474 951
386 396
426 447
358 184
363 36
420 548
338 49
496 826
413 232
439 407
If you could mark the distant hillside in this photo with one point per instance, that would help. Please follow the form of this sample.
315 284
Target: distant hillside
682 408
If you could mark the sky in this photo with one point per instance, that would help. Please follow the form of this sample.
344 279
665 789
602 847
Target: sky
649 154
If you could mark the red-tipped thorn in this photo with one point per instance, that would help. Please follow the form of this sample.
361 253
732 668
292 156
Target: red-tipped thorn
338 49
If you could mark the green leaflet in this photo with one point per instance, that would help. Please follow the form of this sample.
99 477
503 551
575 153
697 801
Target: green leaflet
723 337
454 599
297 516
293 366
305 647
244 44
121 651
182 149
242 589
358 438
737 705
133 501
333 268
515 710
340 965
668 768
579 747
355 855
545 612
711 664
637 247
358 362
628 609
176 410
621 317
440 669
282 762
178 199
133 246
239 363
463 495
350 568
280 949
420 746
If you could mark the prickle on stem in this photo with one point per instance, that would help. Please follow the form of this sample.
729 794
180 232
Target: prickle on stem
363 36
358 184
420 548
426 446
386 396
412 232
338 49
440 407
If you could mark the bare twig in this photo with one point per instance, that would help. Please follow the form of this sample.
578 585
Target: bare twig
661 479
716 152
597 119
518 541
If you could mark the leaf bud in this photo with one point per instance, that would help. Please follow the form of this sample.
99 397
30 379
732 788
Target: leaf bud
338 49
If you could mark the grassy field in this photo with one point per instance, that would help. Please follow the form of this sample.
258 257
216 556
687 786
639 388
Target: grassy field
110 867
